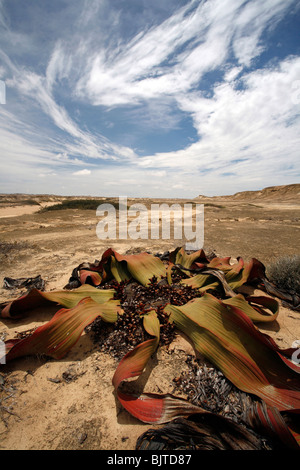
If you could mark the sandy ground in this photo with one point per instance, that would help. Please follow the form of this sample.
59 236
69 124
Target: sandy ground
70 403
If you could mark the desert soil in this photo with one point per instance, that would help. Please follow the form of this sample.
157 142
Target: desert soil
70 403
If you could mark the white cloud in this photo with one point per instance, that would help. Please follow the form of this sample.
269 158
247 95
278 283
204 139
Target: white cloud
38 89
232 73
82 172
242 130
59 65
47 174
155 75
135 71
155 63
256 17
19 142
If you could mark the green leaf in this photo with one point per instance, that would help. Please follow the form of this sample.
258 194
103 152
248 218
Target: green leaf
69 299
142 267
256 312
226 336
56 337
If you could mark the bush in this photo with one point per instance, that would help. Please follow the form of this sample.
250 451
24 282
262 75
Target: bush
285 273
86 204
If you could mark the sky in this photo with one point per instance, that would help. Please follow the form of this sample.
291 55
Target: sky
147 98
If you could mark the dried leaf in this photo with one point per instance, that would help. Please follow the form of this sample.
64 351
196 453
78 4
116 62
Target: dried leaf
206 431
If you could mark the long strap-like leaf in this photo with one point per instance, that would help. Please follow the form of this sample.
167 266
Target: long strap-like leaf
56 337
36 298
148 407
227 337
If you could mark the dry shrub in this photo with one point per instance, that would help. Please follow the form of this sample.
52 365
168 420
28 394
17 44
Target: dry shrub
284 272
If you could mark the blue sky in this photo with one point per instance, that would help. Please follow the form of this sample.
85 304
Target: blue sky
148 98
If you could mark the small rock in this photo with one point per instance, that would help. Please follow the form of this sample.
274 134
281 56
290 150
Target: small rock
56 380
82 437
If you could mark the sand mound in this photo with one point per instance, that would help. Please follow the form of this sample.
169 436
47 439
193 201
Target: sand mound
290 192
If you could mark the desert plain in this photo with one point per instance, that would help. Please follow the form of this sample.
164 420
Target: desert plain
40 410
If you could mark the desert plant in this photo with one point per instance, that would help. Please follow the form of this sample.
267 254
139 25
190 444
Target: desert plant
221 328
284 272
85 204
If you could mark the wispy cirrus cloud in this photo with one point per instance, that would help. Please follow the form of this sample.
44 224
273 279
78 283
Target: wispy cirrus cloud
246 126
39 89
112 84
172 57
